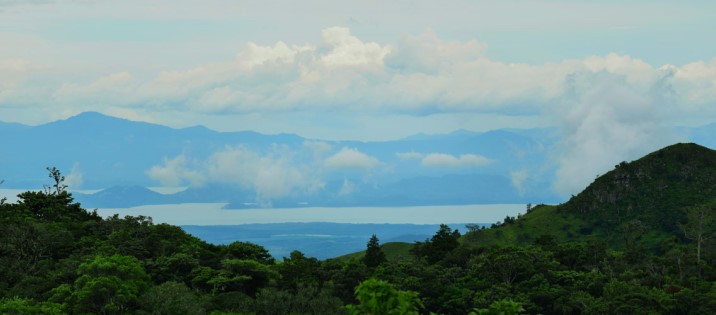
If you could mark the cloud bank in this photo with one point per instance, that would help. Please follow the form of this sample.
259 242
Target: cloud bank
419 74
447 160
608 107
281 172
606 121
351 159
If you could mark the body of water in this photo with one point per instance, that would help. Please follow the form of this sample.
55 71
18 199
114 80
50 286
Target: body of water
215 214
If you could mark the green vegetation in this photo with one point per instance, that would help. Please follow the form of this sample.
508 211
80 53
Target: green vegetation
380 297
618 247
374 255
394 251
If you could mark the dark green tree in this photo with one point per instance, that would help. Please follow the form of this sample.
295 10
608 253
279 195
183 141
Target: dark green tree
439 245
501 307
379 297
22 306
297 269
172 298
106 285
374 255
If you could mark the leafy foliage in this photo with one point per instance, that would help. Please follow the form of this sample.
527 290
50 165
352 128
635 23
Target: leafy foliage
637 241
382 298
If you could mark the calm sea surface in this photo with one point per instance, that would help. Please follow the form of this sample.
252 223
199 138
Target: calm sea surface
214 214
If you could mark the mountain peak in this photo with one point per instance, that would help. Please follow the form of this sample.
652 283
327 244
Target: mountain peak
93 116
96 121
653 189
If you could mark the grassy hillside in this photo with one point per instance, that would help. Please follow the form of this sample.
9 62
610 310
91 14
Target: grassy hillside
642 201
541 220
394 251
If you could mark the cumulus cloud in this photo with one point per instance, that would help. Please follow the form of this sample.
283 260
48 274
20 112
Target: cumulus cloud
428 53
418 74
256 55
351 159
270 176
175 172
279 172
448 160
606 122
348 50
696 83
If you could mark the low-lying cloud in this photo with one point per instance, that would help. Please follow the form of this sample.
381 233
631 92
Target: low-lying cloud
351 159
281 172
175 172
608 121
447 160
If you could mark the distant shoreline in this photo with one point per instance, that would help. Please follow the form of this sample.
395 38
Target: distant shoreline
214 214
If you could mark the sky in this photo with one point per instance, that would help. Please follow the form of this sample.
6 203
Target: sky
611 76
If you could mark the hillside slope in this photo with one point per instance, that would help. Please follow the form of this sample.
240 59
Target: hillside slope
643 200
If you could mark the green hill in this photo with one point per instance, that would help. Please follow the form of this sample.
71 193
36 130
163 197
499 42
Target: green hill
586 256
641 200
394 251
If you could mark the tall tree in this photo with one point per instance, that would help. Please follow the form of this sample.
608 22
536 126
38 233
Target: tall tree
106 285
374 255
380 297
443 242
59 185
700 227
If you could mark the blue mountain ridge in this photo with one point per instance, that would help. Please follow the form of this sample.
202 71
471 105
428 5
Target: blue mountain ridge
115 154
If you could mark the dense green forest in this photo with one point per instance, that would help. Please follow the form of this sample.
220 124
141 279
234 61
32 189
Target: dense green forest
639 240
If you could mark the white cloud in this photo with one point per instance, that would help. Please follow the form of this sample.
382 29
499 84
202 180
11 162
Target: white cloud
696 83
448 160
607 122
635 70
348 50
75 179
175 172
254 55
344 74
273 175
351 159
318 148
337 78
428 53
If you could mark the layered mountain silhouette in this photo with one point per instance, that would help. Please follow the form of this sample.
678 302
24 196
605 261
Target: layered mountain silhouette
115 155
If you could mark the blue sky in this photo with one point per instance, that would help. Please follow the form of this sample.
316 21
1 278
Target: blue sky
263 65
612 77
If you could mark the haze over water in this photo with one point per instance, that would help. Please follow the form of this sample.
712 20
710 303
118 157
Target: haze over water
213 214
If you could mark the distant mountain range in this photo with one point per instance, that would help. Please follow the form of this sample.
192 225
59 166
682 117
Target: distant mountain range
248 169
